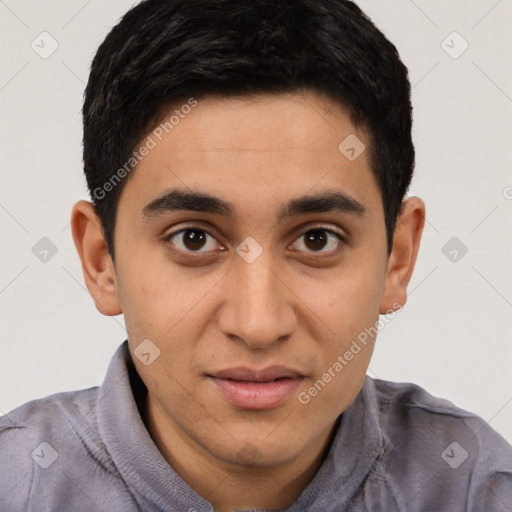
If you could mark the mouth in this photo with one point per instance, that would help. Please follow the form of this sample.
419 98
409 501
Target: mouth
256 389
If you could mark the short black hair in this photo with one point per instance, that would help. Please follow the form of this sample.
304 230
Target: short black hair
165 52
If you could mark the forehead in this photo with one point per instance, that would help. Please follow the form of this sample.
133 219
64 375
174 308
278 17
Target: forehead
304 121
255 150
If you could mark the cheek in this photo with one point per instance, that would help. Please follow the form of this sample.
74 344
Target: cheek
349 306
349 301
155 293
167 306
344 357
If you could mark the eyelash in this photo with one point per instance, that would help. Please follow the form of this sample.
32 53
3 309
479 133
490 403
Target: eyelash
341 239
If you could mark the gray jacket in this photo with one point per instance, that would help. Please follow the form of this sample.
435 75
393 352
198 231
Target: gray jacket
397 448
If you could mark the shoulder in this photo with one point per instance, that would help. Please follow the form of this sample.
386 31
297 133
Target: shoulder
58 430
405 405
439 449
52 417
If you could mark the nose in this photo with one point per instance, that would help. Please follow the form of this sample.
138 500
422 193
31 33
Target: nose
259 309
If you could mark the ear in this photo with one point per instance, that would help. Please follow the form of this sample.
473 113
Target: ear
97 265
406 243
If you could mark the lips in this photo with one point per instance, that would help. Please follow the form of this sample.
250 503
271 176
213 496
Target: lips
247 388
268 374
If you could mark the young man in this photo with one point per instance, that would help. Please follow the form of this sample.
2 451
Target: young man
248 162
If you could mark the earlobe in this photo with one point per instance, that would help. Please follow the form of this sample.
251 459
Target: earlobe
406 244
97 265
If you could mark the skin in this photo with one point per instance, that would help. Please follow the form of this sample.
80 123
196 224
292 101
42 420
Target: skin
208 309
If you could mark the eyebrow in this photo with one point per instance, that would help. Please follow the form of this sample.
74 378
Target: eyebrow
184 200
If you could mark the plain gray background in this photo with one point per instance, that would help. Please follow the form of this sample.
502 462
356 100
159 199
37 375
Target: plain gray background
454 335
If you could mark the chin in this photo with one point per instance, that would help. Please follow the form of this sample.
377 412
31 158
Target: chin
259 451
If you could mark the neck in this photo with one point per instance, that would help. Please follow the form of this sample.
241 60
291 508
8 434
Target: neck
227 485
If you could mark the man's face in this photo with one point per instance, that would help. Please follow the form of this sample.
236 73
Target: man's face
219 311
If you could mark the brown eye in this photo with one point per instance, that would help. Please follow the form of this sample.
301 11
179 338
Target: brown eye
192 240
315 240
